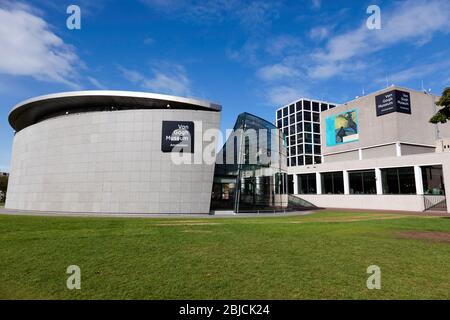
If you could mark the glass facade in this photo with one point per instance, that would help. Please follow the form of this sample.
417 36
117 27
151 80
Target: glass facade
333 183
398 180
433 180
256 177
362 182
307 183
300 122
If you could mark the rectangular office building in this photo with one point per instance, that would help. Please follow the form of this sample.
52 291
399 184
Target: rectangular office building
300 123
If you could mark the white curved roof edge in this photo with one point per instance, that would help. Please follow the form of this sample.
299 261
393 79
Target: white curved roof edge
119 93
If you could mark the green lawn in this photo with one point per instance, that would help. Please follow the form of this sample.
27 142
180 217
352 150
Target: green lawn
320 256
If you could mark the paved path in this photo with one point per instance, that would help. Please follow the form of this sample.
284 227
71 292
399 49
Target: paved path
4 211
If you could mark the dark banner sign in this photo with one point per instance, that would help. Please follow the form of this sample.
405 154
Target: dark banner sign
177 136
393 101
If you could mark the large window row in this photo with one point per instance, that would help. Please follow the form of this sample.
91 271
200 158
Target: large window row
303 160
303 105
394 181
283 123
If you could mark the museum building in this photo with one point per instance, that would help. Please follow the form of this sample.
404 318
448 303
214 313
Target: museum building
379 151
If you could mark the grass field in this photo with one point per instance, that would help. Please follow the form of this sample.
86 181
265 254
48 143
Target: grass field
320 256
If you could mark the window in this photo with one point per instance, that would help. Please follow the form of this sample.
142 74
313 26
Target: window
307 126
316 117
362 182
292 118
293 151
308 160
285 112
331 106
307 183
316 149
308 148
292 128
279 114
317 138
315 106
316 128
300 149
299 116
433 180
333 183
307 105
285 122
307 115
398 180
298 106
292 140
291 108
323 107
285 131
293 161
299 127
300 138
279 123
308 137
300 161
317 159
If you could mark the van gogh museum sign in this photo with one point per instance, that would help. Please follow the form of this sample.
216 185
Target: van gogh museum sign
177 136
393 101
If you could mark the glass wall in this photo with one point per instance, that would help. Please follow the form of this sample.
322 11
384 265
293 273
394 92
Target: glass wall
258 179
433 180
307 183
362 182
332 183
398 180
302 127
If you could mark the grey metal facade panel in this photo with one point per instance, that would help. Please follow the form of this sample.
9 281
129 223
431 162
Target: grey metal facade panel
109 162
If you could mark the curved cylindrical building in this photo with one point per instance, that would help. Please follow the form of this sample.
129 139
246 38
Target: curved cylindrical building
110 151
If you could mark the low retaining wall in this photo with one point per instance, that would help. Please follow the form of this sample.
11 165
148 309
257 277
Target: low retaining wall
365 201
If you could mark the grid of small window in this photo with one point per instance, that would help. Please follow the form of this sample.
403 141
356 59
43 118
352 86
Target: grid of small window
300 122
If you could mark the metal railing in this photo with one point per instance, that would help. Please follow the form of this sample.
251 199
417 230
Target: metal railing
434 202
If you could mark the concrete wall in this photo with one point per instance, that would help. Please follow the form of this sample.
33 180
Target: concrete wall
411 149
108 162
375 202
390 128
344 156
379 152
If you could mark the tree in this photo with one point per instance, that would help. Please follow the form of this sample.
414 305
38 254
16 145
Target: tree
444 113
3 187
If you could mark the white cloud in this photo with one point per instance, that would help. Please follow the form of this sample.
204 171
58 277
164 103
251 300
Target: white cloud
96 83
417 73
250 14
172 80
148 41
319 33
280 44
276 71
405 22
281 95
316 4
30 48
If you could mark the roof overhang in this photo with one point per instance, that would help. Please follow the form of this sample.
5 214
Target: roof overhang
32 110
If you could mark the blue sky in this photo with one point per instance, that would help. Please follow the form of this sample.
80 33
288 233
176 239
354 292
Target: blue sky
247 55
